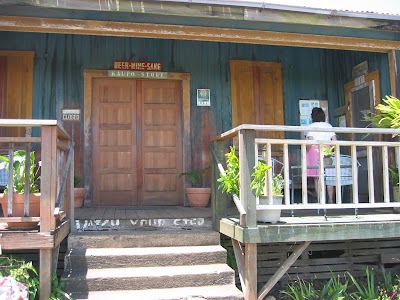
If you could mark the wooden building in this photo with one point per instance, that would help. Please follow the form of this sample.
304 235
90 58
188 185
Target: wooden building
136 70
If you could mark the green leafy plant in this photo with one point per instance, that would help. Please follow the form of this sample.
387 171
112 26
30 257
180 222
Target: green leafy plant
300 290
389 114
78 181
19 171
22 271
57 289
394 176
194 176
334 289
328 151
368 290
229 182
258 183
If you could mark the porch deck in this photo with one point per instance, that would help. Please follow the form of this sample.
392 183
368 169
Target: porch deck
367 223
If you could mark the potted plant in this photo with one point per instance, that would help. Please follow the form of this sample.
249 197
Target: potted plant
328 152
258 185
79 191
197 196
229 183
19 171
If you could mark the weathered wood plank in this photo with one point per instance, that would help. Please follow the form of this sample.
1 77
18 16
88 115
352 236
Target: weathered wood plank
282 270
45 273
246 167
250 271
14 240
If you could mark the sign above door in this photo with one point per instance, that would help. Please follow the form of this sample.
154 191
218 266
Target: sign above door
137 66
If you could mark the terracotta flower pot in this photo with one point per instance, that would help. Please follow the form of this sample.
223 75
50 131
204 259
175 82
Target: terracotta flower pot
18 209
198 197
79 195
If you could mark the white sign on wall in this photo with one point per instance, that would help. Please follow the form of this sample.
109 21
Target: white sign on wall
71 115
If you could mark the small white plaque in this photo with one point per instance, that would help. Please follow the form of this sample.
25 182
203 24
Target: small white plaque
71 115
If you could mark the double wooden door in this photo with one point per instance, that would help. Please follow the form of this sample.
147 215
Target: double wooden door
137 142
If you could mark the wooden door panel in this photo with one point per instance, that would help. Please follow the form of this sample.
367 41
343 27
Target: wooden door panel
257 96
114 142
137 142
162 143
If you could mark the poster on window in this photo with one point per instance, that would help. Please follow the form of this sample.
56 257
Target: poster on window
305 109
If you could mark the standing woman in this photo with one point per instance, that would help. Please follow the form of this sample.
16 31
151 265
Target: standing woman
318 121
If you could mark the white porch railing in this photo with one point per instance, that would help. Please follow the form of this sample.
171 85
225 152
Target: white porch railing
366 167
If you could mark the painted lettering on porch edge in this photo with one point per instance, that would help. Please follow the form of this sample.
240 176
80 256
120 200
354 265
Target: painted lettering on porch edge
98 224
134 74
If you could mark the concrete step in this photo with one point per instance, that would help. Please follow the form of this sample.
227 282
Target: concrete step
83 281
137 239
219 292
97 258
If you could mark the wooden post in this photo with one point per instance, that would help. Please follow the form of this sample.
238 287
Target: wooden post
45 258
246 167
48 178
70 195
218 198
47 203
250 262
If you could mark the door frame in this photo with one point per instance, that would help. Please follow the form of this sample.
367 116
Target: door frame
88 76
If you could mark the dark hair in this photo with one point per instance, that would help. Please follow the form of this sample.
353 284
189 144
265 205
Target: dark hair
317 115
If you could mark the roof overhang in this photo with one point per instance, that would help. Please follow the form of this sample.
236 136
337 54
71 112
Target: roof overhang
199 33
228 9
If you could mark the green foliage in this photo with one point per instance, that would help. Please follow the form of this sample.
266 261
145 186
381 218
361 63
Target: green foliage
338 289
328 151
78 181
19 167
301 290
334 289
259 176
57 289
229 182
389 114
22 271
194 176
368 290
25 273
394 175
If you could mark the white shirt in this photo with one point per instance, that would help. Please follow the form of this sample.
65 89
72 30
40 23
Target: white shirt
319 135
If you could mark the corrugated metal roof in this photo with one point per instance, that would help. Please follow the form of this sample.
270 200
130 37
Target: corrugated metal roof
349 8
390 7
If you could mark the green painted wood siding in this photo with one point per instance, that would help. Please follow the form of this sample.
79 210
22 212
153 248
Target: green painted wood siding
307 73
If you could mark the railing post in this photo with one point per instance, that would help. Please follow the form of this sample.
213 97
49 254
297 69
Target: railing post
219 201
47 203
246 167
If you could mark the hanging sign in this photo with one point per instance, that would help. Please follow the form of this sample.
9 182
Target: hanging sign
137 74
71 115
137 65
